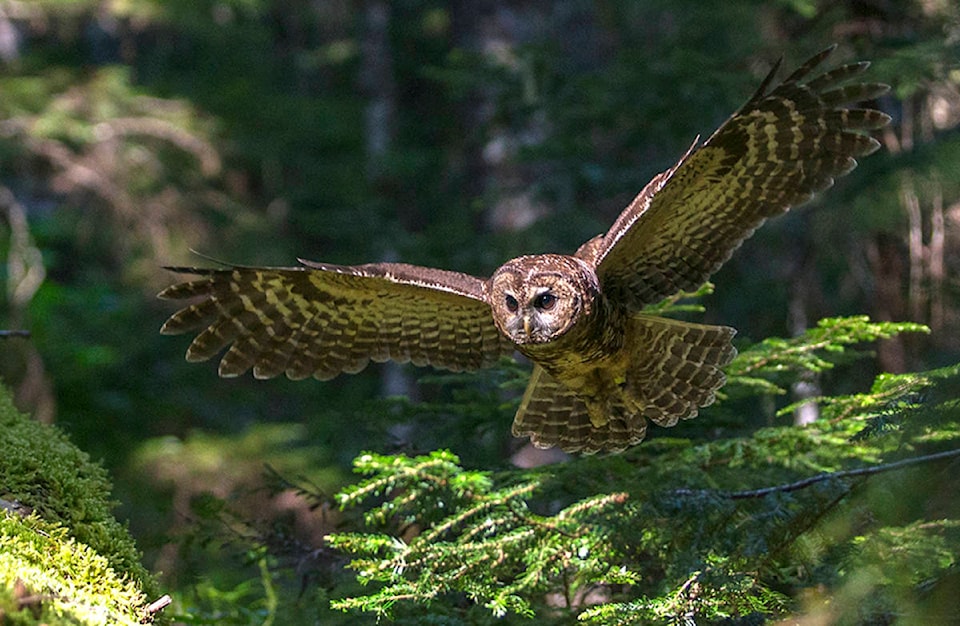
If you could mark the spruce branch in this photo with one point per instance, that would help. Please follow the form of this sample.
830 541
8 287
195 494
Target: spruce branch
819 478
483 504
654 553
814 351
675 303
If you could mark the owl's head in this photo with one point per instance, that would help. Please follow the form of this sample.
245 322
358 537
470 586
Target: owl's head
536 299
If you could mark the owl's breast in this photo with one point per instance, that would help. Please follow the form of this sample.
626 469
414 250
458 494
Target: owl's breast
594 340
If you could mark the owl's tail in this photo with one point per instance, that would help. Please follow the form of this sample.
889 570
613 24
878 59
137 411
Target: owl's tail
671 369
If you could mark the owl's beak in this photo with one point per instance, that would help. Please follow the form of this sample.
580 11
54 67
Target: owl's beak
526 326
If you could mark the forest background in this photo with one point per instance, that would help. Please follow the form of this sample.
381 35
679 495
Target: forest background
456 135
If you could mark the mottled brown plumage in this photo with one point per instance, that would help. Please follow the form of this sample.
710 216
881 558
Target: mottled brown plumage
602 366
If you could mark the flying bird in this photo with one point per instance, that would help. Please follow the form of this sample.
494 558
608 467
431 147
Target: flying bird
602 366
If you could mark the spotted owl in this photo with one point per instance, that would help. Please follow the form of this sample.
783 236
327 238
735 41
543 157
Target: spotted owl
602 366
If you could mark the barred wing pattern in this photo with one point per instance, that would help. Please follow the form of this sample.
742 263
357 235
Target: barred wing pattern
326 319
777 151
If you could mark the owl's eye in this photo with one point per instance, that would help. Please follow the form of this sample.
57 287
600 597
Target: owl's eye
512 304
545 301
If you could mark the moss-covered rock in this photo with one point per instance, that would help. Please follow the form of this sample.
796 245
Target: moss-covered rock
50 578
64 558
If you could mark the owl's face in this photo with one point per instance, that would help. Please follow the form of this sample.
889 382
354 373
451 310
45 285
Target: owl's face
535 299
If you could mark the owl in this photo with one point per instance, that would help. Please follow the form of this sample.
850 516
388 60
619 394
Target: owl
602 366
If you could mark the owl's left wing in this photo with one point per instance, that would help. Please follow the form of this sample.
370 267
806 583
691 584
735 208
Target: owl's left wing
779 149
321 320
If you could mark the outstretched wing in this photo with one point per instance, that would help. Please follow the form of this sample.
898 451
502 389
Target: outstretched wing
322 320
779 149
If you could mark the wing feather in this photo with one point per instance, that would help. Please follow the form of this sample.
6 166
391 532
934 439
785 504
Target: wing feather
781 147
321 320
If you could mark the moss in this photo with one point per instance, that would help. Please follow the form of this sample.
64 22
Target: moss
48 577
70 553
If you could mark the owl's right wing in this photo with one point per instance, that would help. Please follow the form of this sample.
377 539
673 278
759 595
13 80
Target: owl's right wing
320 320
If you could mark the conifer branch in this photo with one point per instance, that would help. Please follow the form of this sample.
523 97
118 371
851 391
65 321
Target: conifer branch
812 480
808 352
